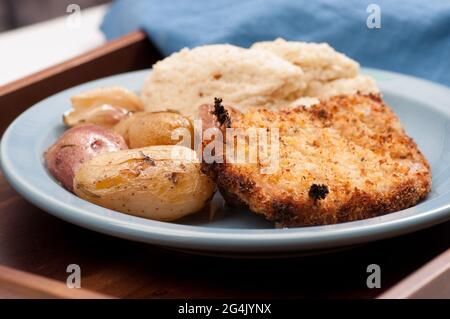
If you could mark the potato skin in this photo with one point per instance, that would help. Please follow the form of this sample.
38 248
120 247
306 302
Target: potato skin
124 125
76 145
152 128
146 182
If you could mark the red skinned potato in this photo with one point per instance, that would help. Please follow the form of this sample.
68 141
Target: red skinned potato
77 145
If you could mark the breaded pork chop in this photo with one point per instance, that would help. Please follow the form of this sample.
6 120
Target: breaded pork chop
344 159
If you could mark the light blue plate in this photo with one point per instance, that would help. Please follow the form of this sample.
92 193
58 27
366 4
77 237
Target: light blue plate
423 107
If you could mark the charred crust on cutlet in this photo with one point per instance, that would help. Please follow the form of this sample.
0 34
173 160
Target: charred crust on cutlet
210 169
221 113
376 97
283 211
291 212
317 191
321 113
232 199
242 184
245 186
225 182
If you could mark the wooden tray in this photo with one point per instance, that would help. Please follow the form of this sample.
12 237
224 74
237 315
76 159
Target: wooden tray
38 243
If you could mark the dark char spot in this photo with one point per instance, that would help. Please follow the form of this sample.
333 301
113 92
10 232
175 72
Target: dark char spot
317 192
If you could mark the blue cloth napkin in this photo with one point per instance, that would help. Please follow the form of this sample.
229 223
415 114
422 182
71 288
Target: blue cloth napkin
414 37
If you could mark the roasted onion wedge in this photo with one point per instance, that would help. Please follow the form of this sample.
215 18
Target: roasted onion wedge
103 106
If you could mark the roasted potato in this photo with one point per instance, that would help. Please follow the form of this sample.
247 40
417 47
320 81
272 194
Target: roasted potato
156 182
77 145
124 125
104 106
154 128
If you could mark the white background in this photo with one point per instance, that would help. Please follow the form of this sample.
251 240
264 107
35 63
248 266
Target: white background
27 50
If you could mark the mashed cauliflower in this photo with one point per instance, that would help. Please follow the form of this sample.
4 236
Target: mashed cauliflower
270 74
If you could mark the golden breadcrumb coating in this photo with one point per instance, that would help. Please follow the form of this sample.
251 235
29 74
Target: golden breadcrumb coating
344 159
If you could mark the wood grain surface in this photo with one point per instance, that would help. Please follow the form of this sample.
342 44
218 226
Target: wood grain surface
430 281
19 284
34 241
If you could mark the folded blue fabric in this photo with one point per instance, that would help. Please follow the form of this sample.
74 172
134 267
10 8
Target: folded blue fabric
414 36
